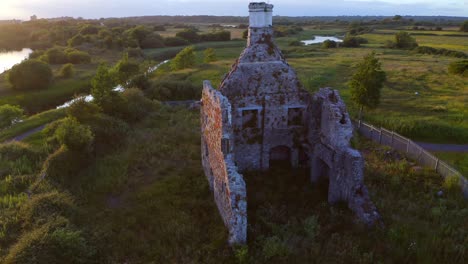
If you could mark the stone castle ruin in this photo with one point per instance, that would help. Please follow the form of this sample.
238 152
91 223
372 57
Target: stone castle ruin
260 115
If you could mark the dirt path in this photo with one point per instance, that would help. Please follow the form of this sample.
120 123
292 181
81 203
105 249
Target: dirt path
26 134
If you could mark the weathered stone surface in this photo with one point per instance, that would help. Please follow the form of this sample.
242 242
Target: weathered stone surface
261 115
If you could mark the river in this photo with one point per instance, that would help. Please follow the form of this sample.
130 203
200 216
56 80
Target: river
9 58
320 39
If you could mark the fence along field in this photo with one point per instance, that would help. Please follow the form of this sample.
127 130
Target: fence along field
412 150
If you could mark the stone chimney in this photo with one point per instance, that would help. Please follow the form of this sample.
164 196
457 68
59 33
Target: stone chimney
260 23
261 15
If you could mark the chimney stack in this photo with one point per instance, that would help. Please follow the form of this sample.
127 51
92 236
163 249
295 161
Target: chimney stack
261 15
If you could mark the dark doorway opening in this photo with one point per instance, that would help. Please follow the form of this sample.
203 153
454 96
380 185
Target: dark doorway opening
280 156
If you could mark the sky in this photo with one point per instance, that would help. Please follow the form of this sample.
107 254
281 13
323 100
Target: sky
23 9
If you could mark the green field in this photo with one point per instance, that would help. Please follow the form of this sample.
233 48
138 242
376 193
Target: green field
437 113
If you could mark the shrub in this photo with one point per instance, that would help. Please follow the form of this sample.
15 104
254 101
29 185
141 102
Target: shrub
9 114
403 40
173 90
175 41
452 184
30 74
45 206
459 67
190 35
63 166
79 57
18 158
109 132
125 69
36 54
210 55
137 104
49 244
140 81
67 71
216 36
76 40
74 135
464 26
184 59
56 55
152 41
353 41
134 52
296 43
443 52
329 44
83 111
89 30
102 84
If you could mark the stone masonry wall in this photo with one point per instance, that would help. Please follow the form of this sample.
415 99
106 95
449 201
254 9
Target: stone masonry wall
334 158
227 184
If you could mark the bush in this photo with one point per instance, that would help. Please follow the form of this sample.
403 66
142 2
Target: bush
18 158
175 41
403 40
41 208
79 57
137 104
184 59
9 114
140 81
125 69
74 135
443 52
190 35
30 74
49 244
329 44
134 52
56 56
296 43
109 132
464 26
459 67
76 40
216 36
152 41
353 41
83 111
174 90
67 71
63 166
209 55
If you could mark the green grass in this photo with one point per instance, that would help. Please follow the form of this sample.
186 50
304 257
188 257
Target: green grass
436 114
30 123
456 159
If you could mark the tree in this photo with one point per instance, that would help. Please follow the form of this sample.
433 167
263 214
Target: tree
367 82
67 70
329 44
102 84
190 35
210 55
74 136
30 74
125 69
464 26
184 59
9 114
403 40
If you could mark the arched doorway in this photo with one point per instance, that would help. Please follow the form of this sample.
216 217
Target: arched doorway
280 156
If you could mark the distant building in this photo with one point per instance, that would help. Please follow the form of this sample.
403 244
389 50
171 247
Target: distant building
33 18
261 115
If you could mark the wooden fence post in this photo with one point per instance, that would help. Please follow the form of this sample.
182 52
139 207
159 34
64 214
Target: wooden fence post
380 135
437 165
391 144
407 145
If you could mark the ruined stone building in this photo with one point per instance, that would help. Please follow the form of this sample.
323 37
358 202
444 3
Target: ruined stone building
261 115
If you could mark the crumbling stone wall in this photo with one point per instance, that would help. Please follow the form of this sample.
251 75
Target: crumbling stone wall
226 183
334 159
261 114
